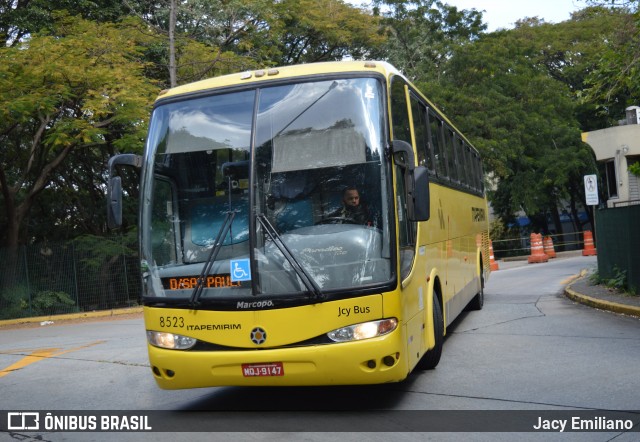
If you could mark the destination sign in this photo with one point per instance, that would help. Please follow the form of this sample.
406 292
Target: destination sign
190 282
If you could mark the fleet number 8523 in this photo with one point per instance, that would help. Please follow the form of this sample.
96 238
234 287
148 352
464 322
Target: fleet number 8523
171 321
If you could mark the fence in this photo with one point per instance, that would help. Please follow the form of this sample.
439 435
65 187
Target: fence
504 248
618 240
86 274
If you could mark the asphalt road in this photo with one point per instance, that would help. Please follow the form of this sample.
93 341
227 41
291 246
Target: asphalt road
530 348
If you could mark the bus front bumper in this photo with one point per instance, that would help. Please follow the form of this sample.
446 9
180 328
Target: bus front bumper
371 361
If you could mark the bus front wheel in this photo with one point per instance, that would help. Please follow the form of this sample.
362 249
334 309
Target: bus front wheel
431 358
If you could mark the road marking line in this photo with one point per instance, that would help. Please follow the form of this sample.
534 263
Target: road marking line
39 355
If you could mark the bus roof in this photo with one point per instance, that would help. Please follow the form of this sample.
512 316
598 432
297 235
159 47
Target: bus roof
259 75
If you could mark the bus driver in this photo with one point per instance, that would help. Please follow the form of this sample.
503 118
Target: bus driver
352 211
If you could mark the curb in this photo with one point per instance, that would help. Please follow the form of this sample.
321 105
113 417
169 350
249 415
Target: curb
71 316
601 304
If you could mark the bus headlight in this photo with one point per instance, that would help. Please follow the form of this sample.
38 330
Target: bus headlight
364 330
170 340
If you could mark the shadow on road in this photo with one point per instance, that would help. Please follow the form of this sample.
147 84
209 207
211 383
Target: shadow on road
333 398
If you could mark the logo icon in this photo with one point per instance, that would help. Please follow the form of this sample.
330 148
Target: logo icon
258 335
23 421
240 270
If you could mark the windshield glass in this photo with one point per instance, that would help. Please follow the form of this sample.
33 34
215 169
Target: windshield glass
310 215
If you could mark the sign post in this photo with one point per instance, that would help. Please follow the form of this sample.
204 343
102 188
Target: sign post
591 190
591 195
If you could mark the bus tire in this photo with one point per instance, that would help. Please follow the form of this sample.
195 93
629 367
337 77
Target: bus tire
431 358
478 301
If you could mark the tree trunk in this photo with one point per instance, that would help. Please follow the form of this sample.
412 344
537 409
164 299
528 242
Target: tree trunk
10 266
173 77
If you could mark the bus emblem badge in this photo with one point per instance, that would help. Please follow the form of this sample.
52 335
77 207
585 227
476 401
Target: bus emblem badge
258 335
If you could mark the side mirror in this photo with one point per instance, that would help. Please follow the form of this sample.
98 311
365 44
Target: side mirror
420 195
114 187
403 154
416 182
114 202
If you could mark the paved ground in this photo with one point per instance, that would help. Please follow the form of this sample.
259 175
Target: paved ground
585 291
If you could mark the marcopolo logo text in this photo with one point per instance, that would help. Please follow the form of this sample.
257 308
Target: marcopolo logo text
255 304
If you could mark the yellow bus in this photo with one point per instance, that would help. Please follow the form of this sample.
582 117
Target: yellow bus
319 224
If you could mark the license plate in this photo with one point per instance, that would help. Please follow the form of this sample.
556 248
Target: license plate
270 369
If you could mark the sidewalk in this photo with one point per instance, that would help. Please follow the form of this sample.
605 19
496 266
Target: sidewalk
602 297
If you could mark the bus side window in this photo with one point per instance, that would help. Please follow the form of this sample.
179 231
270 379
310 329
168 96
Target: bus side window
399 113
435 130
471 170
450 152
463 161
479 173
421 133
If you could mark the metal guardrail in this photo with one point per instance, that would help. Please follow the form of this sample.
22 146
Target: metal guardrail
574 243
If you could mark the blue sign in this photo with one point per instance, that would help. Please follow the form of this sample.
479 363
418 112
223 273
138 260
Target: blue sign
240 270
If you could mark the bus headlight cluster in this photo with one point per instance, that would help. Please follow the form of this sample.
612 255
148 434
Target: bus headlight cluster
364 330
170 340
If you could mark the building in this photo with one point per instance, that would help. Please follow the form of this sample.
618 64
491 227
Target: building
619 147
617 234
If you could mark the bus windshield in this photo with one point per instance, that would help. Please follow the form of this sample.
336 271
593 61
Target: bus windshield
302 170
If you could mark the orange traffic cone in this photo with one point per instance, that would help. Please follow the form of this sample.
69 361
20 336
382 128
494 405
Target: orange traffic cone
537 250
492 261
547 244
589 249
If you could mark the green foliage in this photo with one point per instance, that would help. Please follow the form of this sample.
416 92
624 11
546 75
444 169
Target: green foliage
14 302
78 79
50 303
68 102
612 84
635 168
423 34
311 30
506 240
515 94
19 19
218 37
617 281
96 251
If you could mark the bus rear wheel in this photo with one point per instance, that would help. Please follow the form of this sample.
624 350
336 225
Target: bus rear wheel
431 358
478 301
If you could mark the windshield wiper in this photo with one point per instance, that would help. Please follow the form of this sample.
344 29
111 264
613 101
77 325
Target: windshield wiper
217 245
304 276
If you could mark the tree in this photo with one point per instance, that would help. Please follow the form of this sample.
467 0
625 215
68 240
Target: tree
514 94
312 31
613 84
205 38
422 34
19 18
67 95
